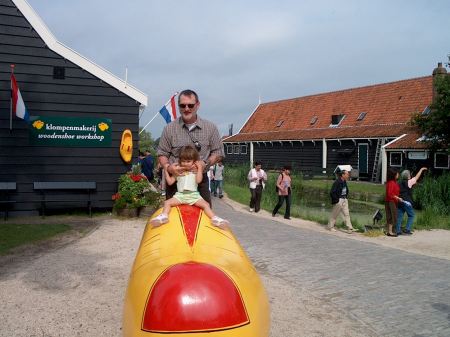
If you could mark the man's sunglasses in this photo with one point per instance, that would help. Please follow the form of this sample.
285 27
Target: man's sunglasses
190 106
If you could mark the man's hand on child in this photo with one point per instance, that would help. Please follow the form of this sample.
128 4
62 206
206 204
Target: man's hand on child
200 164
177 170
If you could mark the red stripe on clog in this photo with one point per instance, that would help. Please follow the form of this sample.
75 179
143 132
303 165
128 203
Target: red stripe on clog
190 219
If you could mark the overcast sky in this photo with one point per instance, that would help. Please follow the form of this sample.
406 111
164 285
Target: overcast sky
231 52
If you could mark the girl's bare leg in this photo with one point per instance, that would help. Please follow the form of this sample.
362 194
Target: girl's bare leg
164 216
168 204
219 222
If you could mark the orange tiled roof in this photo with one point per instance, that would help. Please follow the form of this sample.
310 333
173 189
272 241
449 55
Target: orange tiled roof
410 141
388 108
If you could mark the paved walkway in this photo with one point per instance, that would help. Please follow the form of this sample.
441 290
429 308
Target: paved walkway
392 292
319 284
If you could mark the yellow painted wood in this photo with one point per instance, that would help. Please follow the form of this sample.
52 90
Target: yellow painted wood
165 246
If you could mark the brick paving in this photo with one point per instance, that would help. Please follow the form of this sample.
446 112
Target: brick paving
392 292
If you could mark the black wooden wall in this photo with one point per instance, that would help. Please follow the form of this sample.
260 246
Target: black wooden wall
307 155
274 155
80 94
300 156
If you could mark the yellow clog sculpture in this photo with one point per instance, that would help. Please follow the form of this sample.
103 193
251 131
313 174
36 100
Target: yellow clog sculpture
193 279
126 146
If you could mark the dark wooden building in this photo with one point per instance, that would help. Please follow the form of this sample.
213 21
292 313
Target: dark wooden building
61 86
316 133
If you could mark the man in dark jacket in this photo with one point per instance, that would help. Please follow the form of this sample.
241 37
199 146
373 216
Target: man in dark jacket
146 161
339 194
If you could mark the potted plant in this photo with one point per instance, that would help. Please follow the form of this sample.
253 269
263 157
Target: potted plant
134 193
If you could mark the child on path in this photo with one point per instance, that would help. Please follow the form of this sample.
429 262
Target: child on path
187 189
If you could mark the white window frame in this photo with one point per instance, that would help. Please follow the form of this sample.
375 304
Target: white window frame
244 147
390 158
340 121
448 161
229 148
236 146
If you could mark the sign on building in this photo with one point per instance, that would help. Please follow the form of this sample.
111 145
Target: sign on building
70 131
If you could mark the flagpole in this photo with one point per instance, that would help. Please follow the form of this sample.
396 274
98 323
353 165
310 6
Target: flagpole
157 113
11 98
151 120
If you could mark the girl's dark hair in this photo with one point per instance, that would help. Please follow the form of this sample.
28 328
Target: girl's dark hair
257 162
188 153
391 174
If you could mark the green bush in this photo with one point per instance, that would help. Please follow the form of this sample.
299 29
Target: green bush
433 194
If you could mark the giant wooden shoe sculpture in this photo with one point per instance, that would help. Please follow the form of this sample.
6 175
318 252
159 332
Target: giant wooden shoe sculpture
193 279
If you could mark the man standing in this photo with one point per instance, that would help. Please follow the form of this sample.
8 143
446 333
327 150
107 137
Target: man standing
406 185
217 171
189 129
339 199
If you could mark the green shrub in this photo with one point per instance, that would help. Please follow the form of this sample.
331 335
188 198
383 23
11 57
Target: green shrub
433 194
134 191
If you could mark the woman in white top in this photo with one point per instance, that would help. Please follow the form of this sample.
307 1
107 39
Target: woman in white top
257 178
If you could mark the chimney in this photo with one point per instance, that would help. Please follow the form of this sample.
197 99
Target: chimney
437 72
230 129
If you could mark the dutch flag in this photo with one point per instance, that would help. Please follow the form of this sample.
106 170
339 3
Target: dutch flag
18 107
169 110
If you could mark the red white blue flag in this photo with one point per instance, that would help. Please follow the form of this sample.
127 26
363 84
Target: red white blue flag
18 107
169 110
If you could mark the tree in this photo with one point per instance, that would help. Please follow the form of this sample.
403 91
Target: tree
435 124
146 142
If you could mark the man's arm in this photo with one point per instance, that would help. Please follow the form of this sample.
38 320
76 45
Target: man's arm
217 153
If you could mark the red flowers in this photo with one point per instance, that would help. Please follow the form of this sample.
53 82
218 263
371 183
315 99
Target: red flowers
115 196
137 178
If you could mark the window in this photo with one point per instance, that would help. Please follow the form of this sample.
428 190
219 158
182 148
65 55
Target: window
361 116
230 149
395 159
313 120
426 111
441 160
243 149
280 123
336 120
236 149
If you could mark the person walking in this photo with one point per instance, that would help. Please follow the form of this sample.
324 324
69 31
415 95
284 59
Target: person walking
406 206
257 178
284 192
339 199
189 129
218 170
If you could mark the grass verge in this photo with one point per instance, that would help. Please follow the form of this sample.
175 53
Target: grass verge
14 235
